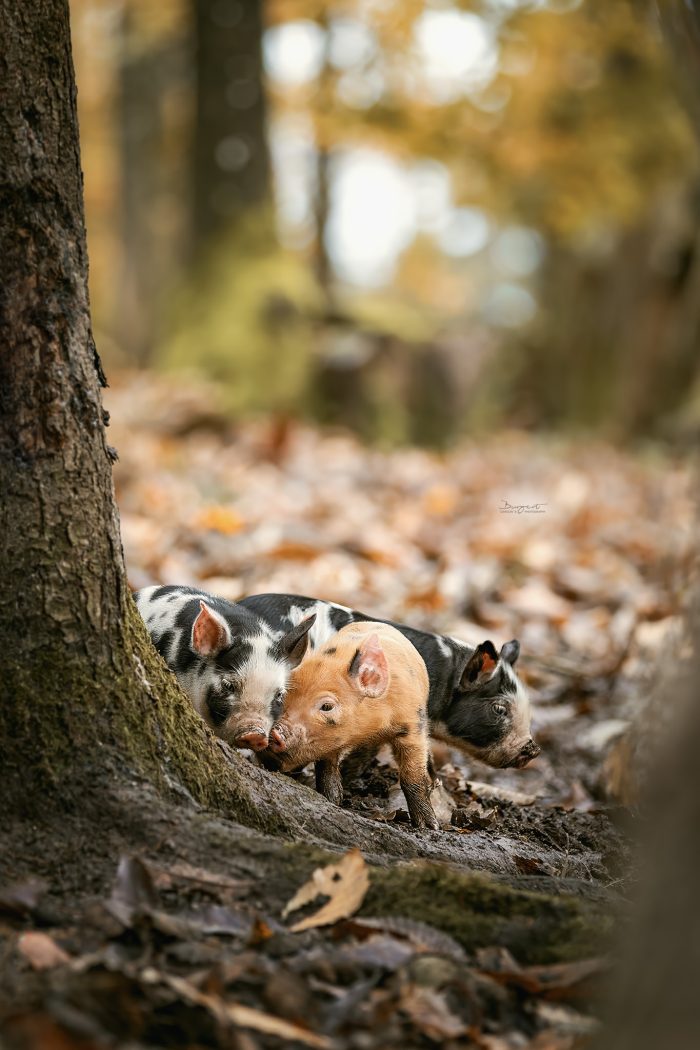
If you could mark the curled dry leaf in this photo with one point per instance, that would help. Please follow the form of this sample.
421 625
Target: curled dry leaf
242 1016
133 892
430 1013
345 883
41 951
564 981
421 936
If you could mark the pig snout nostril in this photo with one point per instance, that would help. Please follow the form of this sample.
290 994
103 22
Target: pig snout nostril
255 739
277 741
531 750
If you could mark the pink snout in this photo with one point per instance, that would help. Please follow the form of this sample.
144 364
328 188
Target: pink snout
256 739
277 741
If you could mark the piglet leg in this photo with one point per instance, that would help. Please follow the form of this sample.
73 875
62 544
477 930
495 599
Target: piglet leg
411 754
328 781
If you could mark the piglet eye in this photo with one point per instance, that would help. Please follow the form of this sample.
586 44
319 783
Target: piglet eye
326 707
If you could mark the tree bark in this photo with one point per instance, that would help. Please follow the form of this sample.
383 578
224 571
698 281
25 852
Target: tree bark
84 698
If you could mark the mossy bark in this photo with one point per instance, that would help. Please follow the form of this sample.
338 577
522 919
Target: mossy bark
479 911
83 695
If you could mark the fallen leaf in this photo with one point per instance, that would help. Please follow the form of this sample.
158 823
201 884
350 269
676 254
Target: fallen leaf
163 877
134 897
133 891
480 790
22 898
565 1022
244 1016
442 803
430 1013
381 951
556 981
294 550
529 865
220 519
346 883
41 951
423 937
474 817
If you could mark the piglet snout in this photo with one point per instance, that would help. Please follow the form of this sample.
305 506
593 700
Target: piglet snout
277 741
255 739
530 750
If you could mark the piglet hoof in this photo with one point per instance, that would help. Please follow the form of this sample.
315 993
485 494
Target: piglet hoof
254 739
426 823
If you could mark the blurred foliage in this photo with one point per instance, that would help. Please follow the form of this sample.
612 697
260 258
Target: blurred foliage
573 128
245 314
579 123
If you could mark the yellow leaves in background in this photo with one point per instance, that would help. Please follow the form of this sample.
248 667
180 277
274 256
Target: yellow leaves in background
219 519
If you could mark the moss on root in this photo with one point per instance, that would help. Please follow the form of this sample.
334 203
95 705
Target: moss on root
478 911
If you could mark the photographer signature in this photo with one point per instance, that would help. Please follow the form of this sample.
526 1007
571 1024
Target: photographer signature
521 508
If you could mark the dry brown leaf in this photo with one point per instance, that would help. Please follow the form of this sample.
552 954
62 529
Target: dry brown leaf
294 550
41 951
163 877
430 1013
554 981
247 1017
346 883
429 598
243 1016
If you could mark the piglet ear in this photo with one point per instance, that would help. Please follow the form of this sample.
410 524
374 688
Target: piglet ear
510 651
294 643
369 669
210 632
481 664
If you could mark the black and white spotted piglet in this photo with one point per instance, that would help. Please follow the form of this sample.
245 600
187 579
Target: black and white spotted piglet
476 703
232 664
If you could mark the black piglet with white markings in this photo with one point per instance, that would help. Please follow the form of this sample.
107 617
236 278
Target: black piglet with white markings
477 702
232 664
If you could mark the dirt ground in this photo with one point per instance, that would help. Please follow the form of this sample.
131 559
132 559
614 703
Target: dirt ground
496 932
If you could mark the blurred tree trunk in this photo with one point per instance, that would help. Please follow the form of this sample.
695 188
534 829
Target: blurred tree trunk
620 333
230 158
680 21
655 999
616 344
322 261
149 254
322 197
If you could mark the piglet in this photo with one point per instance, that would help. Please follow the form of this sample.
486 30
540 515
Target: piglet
368 685
231 663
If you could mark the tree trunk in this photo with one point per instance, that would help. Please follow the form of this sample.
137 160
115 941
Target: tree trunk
85 701
150 176
75 674
231 164
655 995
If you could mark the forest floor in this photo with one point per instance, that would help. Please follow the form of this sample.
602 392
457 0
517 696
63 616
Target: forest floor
581 551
